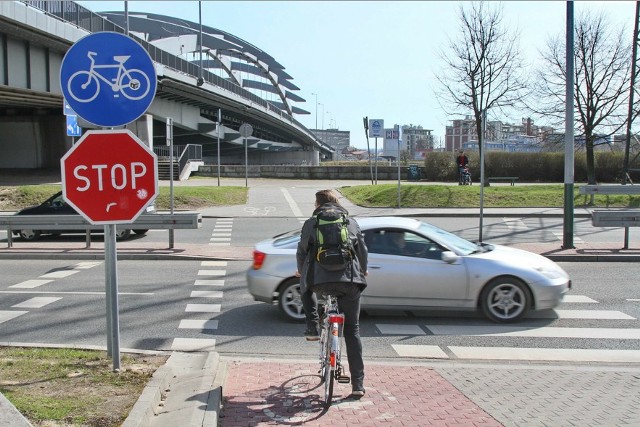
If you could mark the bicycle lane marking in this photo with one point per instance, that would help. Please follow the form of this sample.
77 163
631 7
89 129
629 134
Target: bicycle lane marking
292 203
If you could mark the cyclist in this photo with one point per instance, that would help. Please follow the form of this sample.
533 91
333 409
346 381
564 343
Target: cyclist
346 285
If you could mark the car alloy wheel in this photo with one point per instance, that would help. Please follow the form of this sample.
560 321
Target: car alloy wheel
29 235
505 300
290 300
123 234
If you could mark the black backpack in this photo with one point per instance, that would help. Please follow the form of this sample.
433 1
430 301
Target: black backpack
334 250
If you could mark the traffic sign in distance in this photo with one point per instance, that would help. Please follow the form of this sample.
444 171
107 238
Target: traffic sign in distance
109 176
108 79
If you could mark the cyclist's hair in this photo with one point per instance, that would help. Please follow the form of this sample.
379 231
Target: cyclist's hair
326 196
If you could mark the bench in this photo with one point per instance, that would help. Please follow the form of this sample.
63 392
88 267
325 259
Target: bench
617 218
512 179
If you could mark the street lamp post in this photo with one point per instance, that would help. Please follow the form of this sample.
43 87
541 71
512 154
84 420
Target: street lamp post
316 95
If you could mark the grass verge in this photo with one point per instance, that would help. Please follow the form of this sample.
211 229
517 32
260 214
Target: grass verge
16 198
456 196
57 387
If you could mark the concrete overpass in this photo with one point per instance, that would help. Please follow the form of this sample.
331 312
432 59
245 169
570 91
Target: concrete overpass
192 89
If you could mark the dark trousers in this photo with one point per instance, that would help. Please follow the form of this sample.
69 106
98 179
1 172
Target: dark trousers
348 296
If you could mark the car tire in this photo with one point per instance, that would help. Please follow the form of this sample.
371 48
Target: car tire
505 300
289 299
123 234
29 235
141 232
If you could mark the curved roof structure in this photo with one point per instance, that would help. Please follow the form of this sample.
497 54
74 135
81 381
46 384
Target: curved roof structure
222 53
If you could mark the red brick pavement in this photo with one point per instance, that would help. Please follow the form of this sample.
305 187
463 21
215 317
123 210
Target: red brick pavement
276 393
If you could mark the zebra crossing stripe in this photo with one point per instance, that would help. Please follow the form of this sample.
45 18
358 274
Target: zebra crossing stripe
8 315
389 329
212 272
423 351
30 284
537 332
203 308
198 324
193 344
578 299
581 314
59 274
206 294
547 354
37 302
209 283
213 263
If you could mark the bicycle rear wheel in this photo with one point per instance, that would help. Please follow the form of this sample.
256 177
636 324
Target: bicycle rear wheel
328 381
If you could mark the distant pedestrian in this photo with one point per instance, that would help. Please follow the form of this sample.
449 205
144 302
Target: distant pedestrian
462 161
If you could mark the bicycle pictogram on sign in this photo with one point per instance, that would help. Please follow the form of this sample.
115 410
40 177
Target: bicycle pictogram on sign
84 85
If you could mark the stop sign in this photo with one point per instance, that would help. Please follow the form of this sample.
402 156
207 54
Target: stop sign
109 176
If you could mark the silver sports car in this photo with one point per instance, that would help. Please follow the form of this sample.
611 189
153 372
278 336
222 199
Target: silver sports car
414 265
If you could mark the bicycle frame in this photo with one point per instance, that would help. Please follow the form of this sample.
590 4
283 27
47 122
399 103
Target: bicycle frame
93 71
330 347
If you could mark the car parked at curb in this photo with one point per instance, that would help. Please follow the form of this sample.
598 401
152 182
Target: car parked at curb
56 205
414 265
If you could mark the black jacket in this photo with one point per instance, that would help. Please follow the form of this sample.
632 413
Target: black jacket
313 274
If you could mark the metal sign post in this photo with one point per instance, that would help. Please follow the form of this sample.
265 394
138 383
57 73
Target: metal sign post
169 133
246 130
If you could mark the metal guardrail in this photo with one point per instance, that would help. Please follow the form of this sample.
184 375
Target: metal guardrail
610 189
155 221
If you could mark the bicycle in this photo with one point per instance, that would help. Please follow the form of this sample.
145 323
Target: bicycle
84 86
331 333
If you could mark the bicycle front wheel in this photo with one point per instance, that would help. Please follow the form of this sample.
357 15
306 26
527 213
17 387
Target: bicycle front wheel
134 84
83 86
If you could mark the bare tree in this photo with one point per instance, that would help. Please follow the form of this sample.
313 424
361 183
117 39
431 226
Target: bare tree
483 65
602 72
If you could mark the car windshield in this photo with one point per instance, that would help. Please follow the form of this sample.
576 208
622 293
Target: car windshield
449 239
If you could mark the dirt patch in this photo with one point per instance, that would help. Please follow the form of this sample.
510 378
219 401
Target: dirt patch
51 391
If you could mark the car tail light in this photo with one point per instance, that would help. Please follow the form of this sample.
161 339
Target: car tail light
258 259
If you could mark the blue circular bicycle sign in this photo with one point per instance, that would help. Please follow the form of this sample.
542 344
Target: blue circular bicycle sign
108 79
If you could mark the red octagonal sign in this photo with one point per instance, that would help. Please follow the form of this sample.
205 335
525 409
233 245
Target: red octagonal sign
109 176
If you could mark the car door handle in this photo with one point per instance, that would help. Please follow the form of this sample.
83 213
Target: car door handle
375 266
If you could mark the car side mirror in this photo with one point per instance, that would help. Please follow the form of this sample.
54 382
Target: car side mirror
449 257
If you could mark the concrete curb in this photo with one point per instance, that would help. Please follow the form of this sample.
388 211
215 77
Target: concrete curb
11 417
143 410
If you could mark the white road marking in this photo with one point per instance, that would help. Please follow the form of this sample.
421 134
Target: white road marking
220 244
390 329
203 308
215 240
515 224
37 302
30 284
581 314
213 263
59 274
427 351
292 203
193 344
74 293
578 299
206 294
560 236
220 234
198 324
212 272
87 264
8 315
541 332
547 354
209 283
633 299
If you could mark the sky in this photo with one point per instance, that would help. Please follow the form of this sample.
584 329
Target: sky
375 59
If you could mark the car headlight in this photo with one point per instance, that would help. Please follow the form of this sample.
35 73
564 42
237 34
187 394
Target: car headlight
550 272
